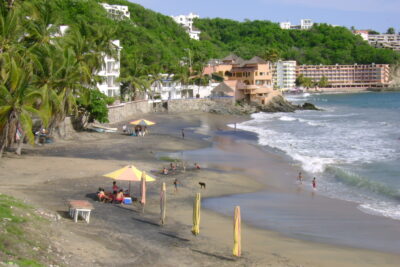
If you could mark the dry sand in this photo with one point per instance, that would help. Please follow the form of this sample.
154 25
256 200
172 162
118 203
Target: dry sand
123 236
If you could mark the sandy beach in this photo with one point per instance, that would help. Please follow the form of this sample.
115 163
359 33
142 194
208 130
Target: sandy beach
118 235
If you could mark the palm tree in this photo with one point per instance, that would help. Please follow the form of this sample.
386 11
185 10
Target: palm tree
18 101
182 75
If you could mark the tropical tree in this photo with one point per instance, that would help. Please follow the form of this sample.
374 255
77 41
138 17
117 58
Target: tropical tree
18 101
391 30
271 54
182 75
323 82
44 72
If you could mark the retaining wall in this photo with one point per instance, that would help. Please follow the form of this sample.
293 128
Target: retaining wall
128 110
204 104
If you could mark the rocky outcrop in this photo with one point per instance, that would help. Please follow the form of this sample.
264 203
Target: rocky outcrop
276 104
280 104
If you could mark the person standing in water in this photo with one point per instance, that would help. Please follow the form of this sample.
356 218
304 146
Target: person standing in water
300 178
314 184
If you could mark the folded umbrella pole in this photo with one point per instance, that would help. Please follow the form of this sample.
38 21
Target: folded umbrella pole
143 190
196 214
163 203
237 239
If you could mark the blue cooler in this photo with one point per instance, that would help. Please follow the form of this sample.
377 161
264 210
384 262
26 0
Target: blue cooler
127 200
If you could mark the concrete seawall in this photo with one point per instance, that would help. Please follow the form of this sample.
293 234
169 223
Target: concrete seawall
129 110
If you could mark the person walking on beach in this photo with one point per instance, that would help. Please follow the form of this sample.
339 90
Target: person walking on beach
183 133
300 178
314 184
176 182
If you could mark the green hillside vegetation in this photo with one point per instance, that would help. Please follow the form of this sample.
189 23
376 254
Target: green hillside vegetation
323 44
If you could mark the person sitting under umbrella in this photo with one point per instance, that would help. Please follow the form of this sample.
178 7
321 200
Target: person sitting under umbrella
120 196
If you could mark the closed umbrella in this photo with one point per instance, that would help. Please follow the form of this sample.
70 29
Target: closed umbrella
163 202
237 246
196 214
143 190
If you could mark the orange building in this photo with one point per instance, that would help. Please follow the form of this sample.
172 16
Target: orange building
348 76
254 76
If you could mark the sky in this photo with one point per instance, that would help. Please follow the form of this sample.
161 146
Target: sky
362 14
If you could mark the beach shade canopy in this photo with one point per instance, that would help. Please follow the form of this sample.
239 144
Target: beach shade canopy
163 203
237 242
128 173
142 122
196 214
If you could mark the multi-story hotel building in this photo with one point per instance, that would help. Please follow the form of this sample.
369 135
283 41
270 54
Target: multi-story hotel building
253 77
117 11
186 21
284 75
348 76
110 70
110 73
390 41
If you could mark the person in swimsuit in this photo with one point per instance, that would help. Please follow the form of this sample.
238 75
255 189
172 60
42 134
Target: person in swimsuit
314 184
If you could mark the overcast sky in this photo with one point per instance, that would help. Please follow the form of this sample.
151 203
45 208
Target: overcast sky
363 14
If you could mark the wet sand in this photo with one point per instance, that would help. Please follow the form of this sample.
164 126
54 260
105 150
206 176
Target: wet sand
122 236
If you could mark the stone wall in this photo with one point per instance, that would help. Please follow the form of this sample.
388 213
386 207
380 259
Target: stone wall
128 110
204 104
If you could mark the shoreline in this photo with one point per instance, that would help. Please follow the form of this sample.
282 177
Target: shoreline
265 247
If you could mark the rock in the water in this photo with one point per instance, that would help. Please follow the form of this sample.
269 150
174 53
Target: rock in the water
308 106
277 104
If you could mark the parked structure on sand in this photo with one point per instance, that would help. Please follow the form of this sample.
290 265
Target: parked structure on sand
117 11
186 21
253 78
348 76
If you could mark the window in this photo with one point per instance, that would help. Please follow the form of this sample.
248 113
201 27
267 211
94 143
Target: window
110 81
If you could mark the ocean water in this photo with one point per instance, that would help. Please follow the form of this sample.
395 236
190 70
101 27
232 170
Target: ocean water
352 147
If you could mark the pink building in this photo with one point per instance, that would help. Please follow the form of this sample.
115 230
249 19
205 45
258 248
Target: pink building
253 78
348 76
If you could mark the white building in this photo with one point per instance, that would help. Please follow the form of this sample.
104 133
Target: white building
168 89
305 24
390 41
286 25
110 73
117 11
186 21
284 74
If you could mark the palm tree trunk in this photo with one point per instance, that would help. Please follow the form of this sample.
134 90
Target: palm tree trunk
20 144
4 139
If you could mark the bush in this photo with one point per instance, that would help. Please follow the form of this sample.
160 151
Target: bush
96 106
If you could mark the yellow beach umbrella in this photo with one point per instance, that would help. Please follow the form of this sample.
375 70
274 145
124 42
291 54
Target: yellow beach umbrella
129 173
237 242
196 214
142 122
